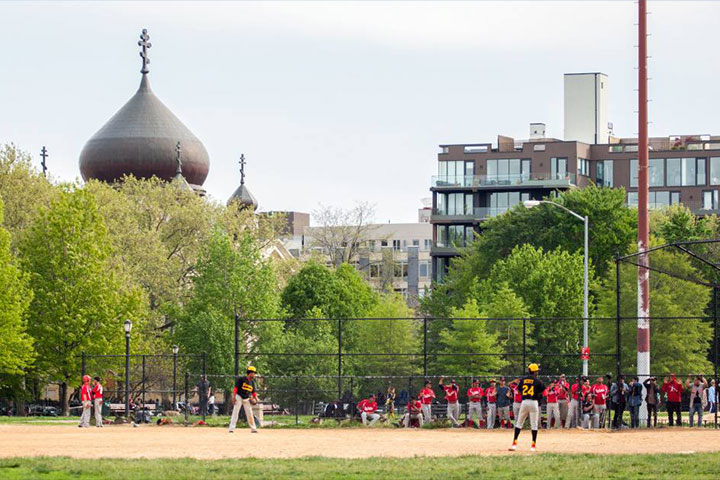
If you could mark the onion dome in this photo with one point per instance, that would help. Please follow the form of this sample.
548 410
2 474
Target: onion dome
242 196
140 140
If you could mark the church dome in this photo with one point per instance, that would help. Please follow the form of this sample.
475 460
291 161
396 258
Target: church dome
140 140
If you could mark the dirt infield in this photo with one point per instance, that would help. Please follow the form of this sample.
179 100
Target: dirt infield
150 441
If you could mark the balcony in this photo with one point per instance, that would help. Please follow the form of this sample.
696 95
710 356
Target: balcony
475 214
541 180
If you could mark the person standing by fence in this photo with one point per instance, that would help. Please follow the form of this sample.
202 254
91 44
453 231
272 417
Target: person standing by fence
451 397
600 393
553 410
698 398
563 389
427 394
652 400
244 396
203 390
618 390
504 399
673 393
97 395
712 397
475 394
491 398
86 400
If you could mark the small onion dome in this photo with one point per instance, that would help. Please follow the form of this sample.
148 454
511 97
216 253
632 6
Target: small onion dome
140 140
243 198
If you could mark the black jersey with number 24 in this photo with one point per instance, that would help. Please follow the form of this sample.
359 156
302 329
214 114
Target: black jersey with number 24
531 388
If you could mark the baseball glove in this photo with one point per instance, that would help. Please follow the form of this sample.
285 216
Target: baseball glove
253 401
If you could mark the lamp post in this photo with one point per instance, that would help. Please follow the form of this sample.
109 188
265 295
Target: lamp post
175 349
128 328
584 219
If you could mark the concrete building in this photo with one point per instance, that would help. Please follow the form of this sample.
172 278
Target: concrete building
585 108
477 181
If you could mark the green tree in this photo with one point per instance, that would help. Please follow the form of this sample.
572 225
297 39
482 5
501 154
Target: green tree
468 334
676 345
16 346
79 303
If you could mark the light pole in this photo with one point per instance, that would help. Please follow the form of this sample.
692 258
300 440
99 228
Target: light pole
584 219
128 327
175 352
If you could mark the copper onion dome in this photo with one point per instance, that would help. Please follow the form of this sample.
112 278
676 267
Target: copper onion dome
140 140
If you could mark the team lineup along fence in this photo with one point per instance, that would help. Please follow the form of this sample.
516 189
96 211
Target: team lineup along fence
341 371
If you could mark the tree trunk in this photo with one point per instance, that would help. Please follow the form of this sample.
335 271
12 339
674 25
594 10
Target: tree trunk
20 409
227 404
64 398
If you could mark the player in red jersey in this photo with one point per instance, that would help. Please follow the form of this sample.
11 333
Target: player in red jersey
475 394
451 397
491 397
368 409
86 399
97 396
600 392
553 408
426 397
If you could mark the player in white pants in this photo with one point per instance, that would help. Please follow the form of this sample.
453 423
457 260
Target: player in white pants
531 390
553 408
242 393
86 399
475 394
97 395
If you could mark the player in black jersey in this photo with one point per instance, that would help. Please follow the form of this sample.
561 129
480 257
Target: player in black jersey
531 389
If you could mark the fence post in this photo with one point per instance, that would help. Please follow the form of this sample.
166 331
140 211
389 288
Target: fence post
425 357
82 365
524 343
715 351
352 399
339 358
143 384
187 397
297 387
618 349
203 405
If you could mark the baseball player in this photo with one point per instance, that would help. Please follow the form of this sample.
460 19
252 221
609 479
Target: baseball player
86 399
491 397
426 395
531 389
553 409
244 396
563 389
414 412
475 394
97 395
368 409
575 410
600 393
517 398
451 397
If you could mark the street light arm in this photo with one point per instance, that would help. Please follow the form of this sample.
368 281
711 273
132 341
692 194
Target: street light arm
576 215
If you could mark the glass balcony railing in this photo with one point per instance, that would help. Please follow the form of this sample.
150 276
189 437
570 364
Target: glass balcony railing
477 213
490 181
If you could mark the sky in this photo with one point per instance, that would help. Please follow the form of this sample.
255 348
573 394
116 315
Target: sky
335 103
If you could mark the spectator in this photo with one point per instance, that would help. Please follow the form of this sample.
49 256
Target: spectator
553 409
368 409
563 390
390 402
504 398
211 404
698 397
491 397
618 390
451 397
203 390
652 400
634 401
600 393
588 411
427 394
712 396
608 402
475 394
673 393
414 412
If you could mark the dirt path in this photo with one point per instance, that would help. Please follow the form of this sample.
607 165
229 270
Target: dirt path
213 443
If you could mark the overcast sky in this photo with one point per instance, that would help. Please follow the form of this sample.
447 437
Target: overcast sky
336 103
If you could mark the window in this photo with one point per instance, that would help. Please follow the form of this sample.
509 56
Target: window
396 244
689 171
685 171
701 171
558 167
583 167
428 244
507 170
374 271
441 236
674 172
539 148
656 172
453 171
633 173
501 202
604 173
455 204
710 200
656 199
416 243
456 235
423 269
714 170
400 270
383 243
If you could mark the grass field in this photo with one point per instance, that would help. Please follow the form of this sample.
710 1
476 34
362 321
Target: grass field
696 466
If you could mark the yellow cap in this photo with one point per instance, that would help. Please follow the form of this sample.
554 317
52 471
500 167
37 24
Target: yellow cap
252 369
534 367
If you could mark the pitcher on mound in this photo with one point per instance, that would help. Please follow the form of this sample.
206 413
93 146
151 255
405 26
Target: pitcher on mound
531 390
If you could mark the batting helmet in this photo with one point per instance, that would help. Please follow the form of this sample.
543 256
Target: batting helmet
534 367
86 378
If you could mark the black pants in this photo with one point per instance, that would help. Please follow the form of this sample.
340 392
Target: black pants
674 407
619 409
652 413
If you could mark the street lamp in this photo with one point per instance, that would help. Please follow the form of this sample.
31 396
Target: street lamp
584 219
175 352
127 327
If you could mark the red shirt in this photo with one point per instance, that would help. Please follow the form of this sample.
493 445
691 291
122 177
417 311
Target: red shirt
518 396
427 395
600 390
673 390
85 393
97 391
551 394
414 406
574 390
475 392
563 388
367 406
491 394
451 393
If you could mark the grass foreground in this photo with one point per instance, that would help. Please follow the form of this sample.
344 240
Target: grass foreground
696 466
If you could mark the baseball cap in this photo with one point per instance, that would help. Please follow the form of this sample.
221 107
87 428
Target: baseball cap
251 369
534 367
